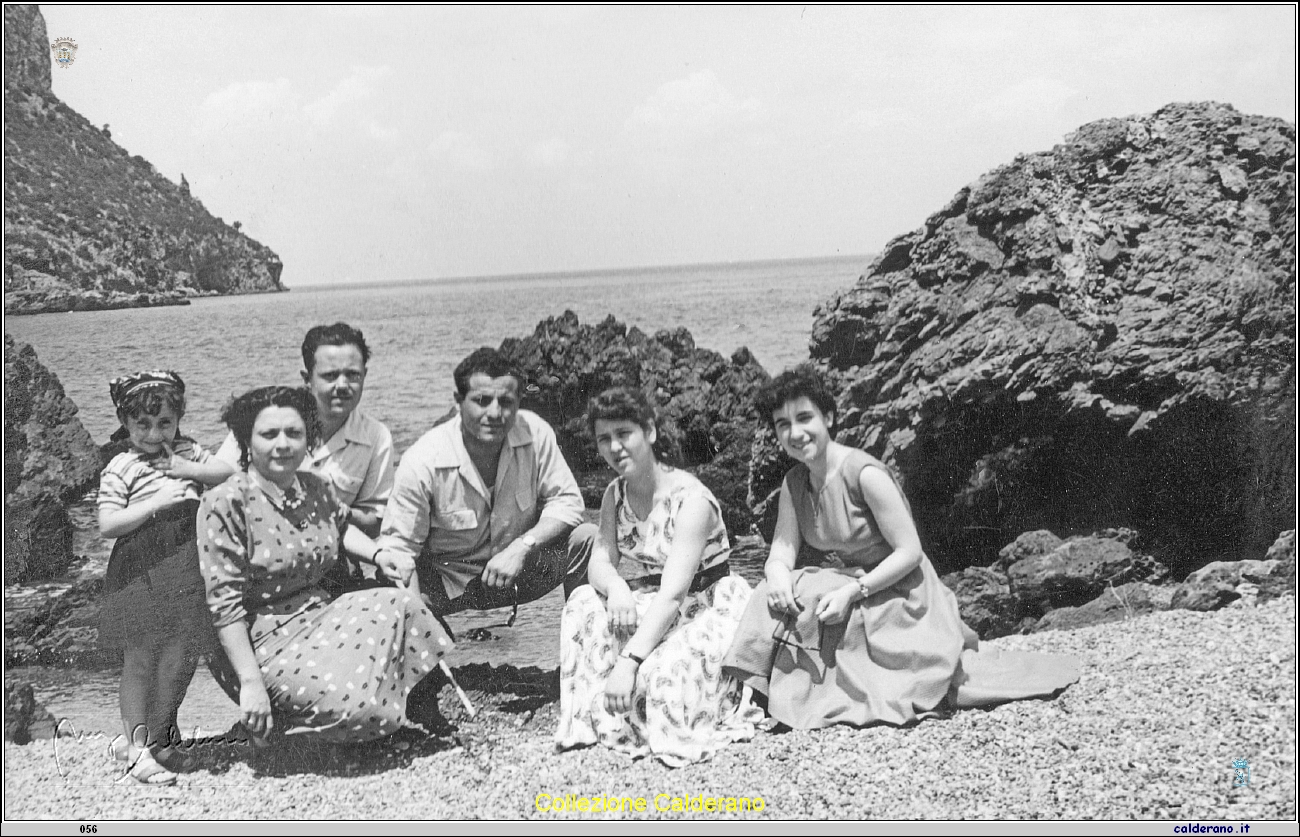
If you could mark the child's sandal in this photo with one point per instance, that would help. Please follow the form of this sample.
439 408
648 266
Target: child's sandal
147 771
176 761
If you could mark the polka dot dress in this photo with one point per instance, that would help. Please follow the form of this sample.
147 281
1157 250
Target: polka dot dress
339 669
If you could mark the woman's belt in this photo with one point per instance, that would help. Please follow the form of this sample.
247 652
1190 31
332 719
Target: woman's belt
702 581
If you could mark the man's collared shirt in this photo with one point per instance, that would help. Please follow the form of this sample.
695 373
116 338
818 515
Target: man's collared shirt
357 460
441 508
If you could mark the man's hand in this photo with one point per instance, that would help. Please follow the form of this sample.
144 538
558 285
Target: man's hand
504 567
395 565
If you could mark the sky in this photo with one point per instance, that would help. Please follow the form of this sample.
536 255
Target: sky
369 144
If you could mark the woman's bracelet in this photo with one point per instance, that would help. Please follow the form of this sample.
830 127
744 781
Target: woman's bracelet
862 585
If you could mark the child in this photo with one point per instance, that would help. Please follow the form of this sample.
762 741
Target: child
154 605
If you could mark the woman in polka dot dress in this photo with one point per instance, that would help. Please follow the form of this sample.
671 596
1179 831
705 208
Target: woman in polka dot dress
295 661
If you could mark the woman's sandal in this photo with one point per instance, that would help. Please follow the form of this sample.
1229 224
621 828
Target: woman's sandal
147 771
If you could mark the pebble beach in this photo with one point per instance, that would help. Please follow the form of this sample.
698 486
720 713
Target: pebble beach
1165 704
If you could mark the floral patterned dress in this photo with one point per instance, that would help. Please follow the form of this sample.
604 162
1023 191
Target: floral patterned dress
339 669
684 707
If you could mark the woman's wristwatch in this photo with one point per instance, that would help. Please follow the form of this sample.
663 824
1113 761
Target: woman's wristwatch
633 657
862 585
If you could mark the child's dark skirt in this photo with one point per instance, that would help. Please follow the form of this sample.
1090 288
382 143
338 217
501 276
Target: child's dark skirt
153 589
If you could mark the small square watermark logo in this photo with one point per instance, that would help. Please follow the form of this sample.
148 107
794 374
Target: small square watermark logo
65 51
1240 773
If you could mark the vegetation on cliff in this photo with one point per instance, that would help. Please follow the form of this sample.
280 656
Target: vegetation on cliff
88 225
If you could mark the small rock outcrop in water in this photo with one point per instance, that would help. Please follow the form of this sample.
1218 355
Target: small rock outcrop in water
25 719
1096 336
705 397
49 460
87 225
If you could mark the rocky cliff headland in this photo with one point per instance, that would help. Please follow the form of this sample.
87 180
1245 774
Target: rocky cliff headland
1093 337
89 226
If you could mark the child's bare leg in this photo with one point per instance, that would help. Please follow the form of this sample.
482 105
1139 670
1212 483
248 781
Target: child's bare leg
175 669
135 696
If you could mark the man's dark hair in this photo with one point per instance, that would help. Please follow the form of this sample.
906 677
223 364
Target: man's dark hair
486 361
339 334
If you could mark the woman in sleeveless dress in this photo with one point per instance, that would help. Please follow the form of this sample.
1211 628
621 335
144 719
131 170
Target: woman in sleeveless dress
878 638
641 648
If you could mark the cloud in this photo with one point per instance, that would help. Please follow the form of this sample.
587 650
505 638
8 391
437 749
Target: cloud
380 132
355 88
690 106
246 104
550 153
461 151
1029 97
872 118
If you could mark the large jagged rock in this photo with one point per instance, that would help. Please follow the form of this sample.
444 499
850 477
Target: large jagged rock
704 396
985 601
87 225
1094 336
1223 582
1078 570
50 460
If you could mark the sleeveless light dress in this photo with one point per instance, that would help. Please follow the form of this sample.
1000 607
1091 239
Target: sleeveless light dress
902 651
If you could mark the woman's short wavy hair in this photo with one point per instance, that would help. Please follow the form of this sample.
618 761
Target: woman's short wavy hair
628 404
803 381
241 412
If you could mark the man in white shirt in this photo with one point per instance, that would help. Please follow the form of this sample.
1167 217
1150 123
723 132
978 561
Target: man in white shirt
356 451
484 507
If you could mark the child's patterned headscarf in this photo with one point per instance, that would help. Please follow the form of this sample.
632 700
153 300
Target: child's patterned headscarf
119 389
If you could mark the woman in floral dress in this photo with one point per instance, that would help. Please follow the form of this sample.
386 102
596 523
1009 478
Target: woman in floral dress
295 661
641 648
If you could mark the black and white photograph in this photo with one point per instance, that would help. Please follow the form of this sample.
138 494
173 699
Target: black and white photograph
880 415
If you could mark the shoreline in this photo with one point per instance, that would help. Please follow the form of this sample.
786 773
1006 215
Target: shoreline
1150 731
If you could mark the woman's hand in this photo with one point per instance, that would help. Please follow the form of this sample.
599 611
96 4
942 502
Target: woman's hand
255 708
621 608
779 567
780 593
620 684
834 607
